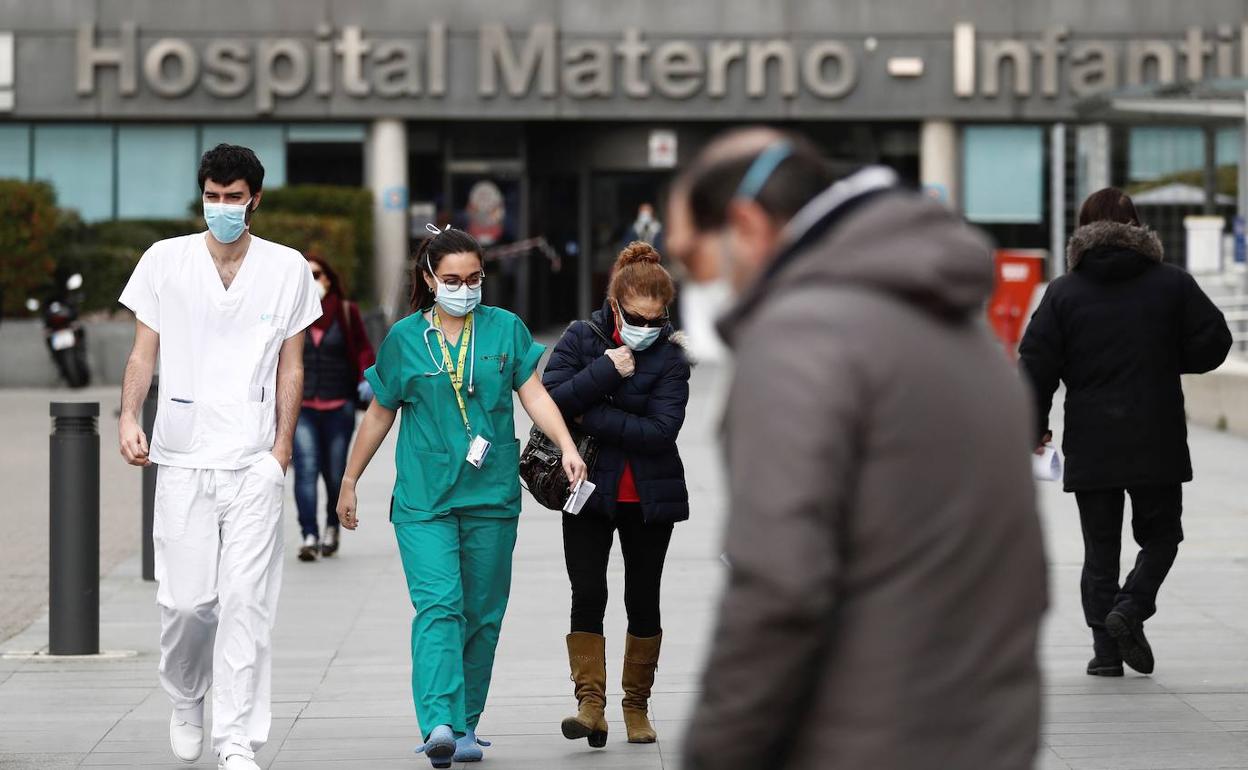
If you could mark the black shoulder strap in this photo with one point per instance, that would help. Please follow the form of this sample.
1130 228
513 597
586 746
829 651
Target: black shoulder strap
600 334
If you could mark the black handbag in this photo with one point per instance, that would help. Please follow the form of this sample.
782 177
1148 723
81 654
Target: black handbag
541 462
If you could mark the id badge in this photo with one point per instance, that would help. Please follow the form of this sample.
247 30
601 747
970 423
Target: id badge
477 451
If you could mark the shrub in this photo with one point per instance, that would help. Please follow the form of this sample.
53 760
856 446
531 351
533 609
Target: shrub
332 239
28 217
106 252
352 203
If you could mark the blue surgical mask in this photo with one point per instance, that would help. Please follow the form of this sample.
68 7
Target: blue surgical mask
226 221
459 302
638 337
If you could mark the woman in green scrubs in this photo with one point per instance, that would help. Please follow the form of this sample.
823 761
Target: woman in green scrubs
451 368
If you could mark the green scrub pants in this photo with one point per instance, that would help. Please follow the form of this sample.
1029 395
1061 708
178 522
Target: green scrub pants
458 572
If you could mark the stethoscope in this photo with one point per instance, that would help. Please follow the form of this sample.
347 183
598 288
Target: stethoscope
440 362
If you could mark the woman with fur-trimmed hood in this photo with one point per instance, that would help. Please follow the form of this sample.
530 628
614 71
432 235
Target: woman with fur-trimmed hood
1118 330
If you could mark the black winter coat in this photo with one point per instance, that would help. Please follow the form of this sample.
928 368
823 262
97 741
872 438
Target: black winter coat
635 419
1118 330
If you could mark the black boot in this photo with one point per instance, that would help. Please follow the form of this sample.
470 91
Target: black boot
1099 666
1132 644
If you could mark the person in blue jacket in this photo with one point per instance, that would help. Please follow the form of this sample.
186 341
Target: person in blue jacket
622 379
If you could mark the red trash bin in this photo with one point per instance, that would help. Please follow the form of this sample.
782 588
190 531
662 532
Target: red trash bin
1018 272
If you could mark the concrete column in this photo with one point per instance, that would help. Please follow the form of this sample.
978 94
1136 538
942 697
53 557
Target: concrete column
1092 167
1211 171
1242 203
1057 200
386 175
938 160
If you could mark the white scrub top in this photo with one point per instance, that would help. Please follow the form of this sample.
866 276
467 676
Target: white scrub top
218 346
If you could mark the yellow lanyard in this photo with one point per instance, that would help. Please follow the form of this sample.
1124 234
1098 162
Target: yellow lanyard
456 372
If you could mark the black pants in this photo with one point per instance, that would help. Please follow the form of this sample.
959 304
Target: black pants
587 549
1156 514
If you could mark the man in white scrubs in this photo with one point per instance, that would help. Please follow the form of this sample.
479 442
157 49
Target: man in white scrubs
226 312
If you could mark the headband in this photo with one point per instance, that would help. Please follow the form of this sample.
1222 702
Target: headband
762 168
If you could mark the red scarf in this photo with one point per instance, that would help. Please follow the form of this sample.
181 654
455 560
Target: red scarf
331 308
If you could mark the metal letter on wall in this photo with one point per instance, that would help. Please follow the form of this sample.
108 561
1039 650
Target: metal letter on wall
964 60
122 57
536 61
226 74
1140 52
679 70
846 69
997 53
760 53
269 83
187 67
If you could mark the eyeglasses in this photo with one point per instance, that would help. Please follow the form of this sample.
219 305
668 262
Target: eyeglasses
454 282
632 319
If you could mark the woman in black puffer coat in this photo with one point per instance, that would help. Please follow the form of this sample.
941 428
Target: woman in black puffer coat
1119 329
630 395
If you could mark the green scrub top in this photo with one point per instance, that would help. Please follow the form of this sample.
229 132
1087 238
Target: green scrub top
434 476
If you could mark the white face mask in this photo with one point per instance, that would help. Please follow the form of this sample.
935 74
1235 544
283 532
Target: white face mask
702 303
637 337
324 290
459 302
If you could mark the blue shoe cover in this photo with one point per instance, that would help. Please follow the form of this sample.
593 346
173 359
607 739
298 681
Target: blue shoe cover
440 747
468 748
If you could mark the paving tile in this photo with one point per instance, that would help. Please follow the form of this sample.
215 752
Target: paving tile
342 670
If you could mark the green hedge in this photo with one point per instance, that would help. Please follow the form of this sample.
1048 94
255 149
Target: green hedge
37 240
328 238
106 252
28 219
351 203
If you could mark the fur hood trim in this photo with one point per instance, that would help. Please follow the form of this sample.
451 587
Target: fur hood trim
1113 234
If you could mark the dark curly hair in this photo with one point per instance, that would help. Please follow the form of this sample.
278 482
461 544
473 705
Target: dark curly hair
227 163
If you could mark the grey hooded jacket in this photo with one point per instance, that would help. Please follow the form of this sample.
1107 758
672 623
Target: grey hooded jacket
887 573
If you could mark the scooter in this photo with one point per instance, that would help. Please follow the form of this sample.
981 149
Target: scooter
63 334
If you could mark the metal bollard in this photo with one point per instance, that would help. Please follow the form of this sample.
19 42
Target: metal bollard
74 530
149 483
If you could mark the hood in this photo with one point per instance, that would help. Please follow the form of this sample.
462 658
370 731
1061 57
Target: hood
1111 250
896 242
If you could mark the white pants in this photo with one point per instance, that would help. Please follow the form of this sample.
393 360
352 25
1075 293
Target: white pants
218 548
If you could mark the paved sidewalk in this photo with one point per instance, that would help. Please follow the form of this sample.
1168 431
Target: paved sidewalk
24 501
342 666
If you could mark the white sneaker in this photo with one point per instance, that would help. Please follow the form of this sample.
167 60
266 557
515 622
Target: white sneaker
238 762
329 541
186 739
309 549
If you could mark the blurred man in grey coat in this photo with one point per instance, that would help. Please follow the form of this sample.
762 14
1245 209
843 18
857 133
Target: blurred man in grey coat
887 574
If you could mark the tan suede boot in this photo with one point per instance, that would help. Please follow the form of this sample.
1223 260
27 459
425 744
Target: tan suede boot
587 657
641 658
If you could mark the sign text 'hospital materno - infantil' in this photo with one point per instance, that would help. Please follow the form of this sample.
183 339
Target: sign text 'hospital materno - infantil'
539 62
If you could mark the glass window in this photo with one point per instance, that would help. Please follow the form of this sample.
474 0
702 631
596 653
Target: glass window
1230 143
156 171
78 160
1161 151
14 151
1003 173
321 133
268 142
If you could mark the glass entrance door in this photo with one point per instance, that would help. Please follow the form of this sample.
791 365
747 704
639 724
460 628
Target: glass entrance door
615 199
